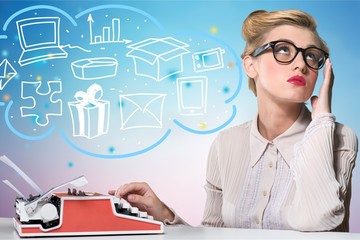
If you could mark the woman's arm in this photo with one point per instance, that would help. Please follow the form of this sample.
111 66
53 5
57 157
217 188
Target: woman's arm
322 167
322 175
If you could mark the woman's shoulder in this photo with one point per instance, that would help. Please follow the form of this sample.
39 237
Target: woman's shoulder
232 141
236 131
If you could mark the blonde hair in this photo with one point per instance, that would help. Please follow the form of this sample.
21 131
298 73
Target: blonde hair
260 22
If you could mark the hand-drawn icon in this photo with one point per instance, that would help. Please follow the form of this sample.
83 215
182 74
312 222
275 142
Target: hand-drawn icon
192 95
94 68
89 114
208 60
31 90
154 57
109 34
39 39
141 110
7 72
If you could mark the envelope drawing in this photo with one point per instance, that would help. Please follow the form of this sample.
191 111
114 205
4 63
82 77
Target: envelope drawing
141 110
7 72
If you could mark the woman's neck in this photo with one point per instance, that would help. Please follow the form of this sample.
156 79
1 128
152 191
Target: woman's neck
274 119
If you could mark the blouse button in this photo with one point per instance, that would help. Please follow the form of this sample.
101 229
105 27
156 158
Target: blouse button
270 165
264 193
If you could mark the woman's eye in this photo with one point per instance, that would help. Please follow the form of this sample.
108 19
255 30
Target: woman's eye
314 55
311 57
283 50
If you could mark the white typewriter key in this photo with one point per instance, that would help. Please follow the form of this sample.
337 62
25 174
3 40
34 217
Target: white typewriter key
116 200
143 214
126 205
49 212
150 217
134 210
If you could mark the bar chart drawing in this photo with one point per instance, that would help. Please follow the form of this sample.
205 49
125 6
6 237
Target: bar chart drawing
109 34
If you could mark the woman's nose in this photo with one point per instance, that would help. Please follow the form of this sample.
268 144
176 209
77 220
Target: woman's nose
299 62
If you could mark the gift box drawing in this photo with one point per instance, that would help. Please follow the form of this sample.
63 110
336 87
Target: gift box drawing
141 110
90 114
158 58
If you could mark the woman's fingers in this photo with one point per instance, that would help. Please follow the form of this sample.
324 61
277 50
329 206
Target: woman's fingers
322 103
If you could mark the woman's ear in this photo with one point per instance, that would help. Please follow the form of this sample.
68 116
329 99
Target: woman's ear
248 66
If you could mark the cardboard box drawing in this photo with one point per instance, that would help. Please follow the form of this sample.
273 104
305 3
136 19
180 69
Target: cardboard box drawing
158 58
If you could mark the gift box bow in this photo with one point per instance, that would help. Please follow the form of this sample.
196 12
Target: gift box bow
92 95
91 99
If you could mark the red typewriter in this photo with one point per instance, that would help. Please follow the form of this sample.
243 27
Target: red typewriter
77 213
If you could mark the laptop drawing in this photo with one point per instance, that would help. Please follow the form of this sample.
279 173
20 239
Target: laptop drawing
39 39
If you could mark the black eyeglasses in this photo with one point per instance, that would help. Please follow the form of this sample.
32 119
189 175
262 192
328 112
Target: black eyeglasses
286 52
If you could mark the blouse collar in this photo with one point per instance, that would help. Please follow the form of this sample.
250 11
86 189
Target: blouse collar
284 143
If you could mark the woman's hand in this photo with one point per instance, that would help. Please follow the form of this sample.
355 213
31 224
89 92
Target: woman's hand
322 103
140 195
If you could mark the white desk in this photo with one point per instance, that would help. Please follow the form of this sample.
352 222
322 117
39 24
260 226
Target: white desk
8 232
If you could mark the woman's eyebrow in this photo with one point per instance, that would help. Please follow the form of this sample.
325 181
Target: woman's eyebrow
288 40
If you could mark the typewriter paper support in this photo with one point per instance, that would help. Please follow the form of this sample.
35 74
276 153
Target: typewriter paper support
76 214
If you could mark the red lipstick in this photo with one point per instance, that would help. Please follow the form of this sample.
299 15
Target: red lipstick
297 80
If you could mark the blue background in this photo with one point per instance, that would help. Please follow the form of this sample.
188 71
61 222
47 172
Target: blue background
171 158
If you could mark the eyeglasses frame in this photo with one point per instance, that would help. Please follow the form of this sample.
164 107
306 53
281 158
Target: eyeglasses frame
271 44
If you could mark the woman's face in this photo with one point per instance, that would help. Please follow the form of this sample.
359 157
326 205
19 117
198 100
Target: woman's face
293 82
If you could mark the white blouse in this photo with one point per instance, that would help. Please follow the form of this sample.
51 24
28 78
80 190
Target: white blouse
301 180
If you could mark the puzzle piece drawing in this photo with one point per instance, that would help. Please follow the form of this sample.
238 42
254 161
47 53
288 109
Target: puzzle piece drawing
44 103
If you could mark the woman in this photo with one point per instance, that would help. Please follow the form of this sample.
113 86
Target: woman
289 168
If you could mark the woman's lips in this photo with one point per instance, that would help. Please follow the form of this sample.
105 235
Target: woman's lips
297 80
